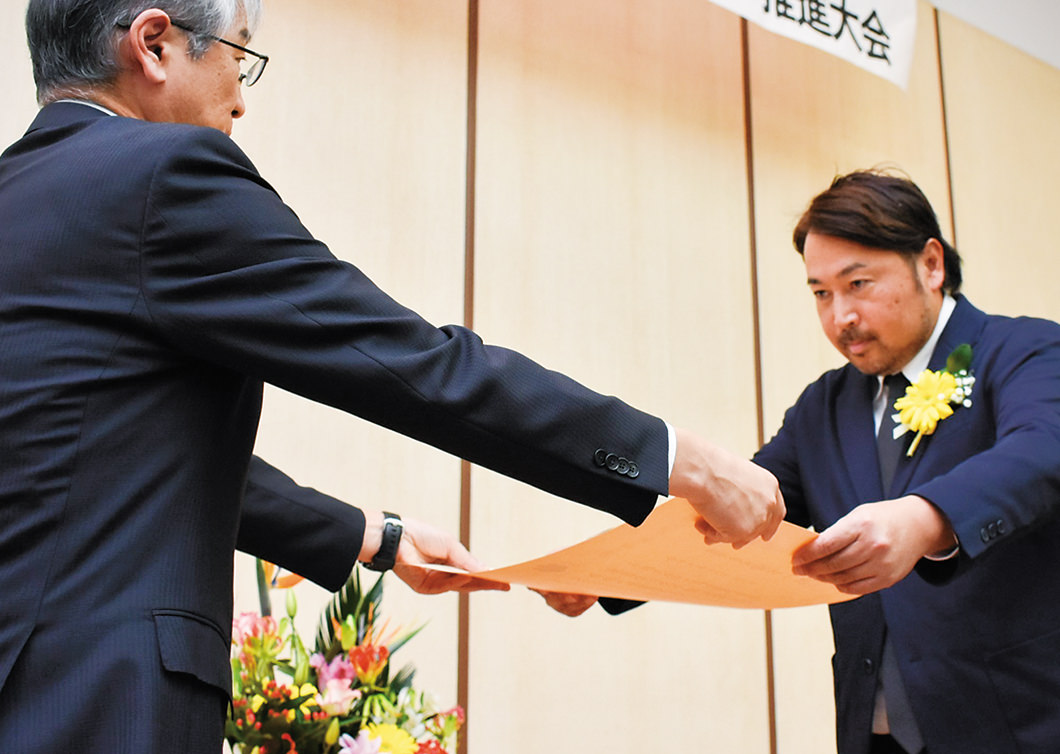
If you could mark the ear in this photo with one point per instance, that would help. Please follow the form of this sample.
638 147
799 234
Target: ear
932 265
148 44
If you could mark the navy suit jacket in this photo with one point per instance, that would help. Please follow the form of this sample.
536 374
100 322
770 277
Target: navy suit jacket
977 641
150 282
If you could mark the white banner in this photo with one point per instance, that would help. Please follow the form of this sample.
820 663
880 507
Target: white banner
877 35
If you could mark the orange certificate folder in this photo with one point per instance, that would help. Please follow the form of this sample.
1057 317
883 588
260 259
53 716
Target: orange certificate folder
666 559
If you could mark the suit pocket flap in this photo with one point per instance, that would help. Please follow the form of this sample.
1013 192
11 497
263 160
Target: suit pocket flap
191 644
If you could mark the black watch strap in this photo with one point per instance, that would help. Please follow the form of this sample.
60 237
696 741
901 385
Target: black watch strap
392 530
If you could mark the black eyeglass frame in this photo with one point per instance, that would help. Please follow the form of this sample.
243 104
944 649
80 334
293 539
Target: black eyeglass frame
257 67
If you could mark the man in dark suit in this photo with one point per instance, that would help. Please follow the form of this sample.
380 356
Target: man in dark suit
150 282
962 656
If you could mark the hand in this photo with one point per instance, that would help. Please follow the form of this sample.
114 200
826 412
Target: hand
875 545
738 501
422 543
571 605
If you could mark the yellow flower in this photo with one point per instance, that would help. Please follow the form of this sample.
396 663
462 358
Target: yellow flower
307 690
393 740
307 706
926 403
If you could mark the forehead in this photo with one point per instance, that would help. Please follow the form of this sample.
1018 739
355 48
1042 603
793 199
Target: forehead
828 257
240 30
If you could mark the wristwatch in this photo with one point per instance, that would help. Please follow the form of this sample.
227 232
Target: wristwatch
392 530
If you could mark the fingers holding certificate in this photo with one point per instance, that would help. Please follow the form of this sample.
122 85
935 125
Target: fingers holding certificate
737 500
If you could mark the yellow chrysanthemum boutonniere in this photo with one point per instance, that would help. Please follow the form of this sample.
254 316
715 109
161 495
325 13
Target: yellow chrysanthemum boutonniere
928 401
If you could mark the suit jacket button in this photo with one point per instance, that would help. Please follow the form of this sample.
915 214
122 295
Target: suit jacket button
623 466
1001 528
984 534
612 461
600 457
868 666
634 470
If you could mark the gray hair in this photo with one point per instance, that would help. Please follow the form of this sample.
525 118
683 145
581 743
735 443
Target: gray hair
73 43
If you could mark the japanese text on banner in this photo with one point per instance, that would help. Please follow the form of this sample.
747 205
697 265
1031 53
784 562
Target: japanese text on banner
876 35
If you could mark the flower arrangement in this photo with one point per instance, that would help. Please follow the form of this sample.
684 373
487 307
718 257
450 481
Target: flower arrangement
339 699
927 401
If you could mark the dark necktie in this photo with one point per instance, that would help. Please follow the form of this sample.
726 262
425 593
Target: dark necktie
900 718
888 448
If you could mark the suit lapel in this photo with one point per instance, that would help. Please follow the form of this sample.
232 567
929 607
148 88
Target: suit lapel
965 325
857 439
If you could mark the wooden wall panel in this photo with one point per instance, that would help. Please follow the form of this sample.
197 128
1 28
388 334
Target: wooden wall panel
815 116
1003 108
612 244
360 124
16 83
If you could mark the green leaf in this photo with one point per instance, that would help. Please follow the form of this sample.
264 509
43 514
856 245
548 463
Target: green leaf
960 359
352 601
327 641
402 679
237 677
264 600
399 643
286 668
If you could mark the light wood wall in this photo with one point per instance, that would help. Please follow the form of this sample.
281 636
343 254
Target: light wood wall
611 237
632 193
360 124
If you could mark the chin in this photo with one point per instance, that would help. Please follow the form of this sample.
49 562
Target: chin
866 365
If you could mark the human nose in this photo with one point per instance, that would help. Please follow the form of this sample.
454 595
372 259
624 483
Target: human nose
844 313
240 104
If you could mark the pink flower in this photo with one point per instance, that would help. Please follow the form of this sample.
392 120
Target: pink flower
360 745
257 644
339 668
338 697
248 625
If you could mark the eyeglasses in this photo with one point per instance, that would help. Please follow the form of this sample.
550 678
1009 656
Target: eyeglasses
256 68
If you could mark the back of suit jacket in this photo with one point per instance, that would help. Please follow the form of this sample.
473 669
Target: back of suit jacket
150 281
977 640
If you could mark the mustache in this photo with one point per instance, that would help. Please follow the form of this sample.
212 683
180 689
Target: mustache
853 335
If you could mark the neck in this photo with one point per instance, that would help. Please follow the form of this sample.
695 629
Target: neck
108 97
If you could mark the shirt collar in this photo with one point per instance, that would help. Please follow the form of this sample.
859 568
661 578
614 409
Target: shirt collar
88 104
920 362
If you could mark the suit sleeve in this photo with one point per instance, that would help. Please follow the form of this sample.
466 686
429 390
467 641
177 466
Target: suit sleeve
322 535
779 456
1013 484
229 275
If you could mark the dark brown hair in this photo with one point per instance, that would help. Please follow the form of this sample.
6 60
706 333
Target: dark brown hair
880 211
